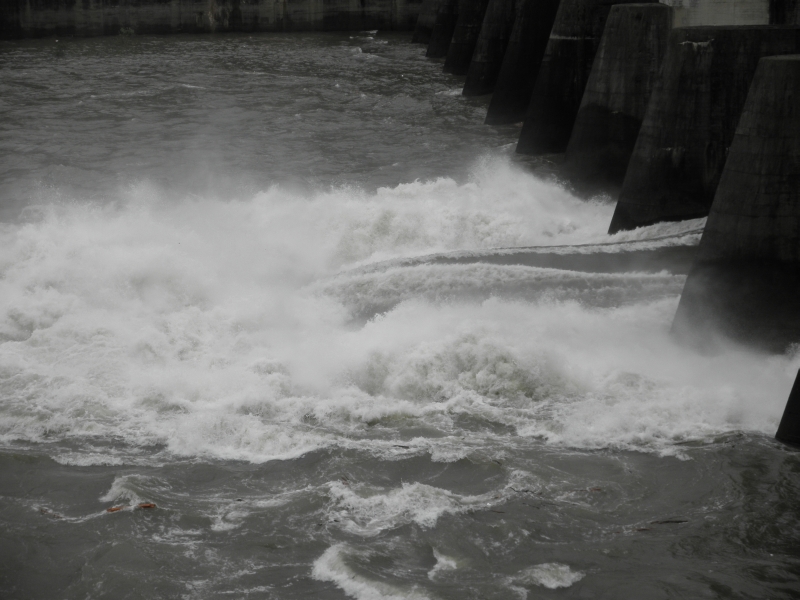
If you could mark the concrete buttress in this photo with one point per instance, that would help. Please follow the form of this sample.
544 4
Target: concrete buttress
745 283
563 74
620 84
465 36
443 27
425 21
691 120
512 91
490 48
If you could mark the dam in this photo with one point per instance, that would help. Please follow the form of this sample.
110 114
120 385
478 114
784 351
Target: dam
284 314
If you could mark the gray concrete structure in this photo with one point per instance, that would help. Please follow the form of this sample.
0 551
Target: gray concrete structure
529 36
784 12
35 18
789 428
563 74
425 21
691 120
620 84
746 281
491 47
696 13
443 27
465 36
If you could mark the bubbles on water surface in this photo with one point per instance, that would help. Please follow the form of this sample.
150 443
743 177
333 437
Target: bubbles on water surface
549 575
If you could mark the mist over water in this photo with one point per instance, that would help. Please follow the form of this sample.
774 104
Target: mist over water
205 303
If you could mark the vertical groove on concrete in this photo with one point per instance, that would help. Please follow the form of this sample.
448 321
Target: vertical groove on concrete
529 36
746 282
492 42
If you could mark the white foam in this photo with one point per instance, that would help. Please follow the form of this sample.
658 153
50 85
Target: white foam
443 564
223 328
368 512
124 489
332 566
550 575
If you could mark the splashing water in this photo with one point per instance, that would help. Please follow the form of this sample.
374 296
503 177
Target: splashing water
225 305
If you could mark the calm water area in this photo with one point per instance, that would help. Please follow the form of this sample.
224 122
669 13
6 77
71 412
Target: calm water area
207 304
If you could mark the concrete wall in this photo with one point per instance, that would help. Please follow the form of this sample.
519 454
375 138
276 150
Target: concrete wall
35 18
691 119
784 12
529 36
491 47
565 68
693 13
756 211
425 21
443 27
465 36
746 281
615 100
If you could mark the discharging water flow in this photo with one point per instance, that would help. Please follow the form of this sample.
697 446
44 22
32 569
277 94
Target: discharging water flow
254 280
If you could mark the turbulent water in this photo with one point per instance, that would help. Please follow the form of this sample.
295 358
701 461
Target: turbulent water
225 290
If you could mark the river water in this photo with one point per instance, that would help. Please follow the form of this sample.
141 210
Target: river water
212 299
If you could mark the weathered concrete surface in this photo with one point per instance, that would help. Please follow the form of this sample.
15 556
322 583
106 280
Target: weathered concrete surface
694 13
10 25
425 21
746 282
789 428
691 120
35 18
784 12
465 36
490 47
443 27
620 84
529 36
563 74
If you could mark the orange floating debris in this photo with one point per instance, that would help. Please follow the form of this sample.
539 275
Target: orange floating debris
115 508
147 505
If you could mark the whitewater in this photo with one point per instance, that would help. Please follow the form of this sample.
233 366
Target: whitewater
290 290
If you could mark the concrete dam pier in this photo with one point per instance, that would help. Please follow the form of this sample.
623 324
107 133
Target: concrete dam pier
789 428
520 67
465 36
490 48
443 27
691 119
562 77
426 19
615 100
745 284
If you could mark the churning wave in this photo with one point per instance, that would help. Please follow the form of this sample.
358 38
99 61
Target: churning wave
248 328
